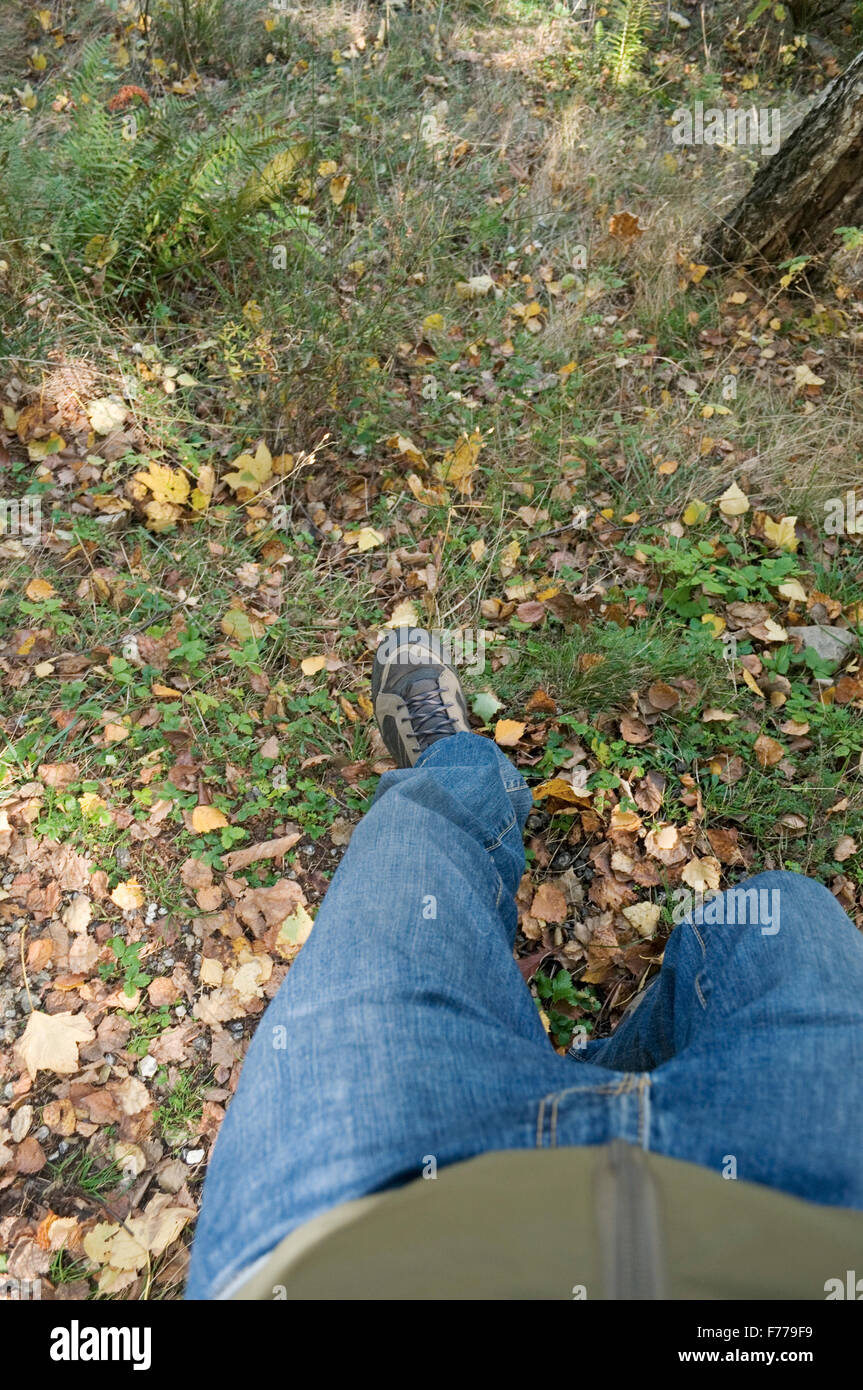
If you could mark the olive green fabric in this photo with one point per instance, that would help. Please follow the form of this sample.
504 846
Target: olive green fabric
610 1221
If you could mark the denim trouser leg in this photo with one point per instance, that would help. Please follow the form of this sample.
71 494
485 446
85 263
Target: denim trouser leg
404 1031
753 1037
408 1031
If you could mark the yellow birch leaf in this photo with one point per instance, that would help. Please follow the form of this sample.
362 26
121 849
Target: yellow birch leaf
128 895
507 732
207 818
733 502
38 589
782 534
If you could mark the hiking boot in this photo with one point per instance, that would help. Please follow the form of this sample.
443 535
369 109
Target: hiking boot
417 697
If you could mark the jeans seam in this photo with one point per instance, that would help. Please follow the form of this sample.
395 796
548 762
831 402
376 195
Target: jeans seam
699 939
617 1088
496 844
644 1111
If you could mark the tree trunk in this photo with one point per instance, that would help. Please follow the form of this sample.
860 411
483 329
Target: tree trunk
813 185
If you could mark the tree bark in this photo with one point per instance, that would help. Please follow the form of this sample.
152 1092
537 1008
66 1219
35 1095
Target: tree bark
811 186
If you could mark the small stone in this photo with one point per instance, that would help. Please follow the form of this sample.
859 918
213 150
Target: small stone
194 1156
148 1066
830 643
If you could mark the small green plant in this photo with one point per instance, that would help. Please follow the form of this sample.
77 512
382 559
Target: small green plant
554 991
126 963
180 1111
623 44
81 1172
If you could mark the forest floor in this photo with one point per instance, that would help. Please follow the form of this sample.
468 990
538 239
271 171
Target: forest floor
321 318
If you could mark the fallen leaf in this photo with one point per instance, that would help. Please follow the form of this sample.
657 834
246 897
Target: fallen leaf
265 849
128 895
507 732
767 751
549 904
39 589
50 1042
207 818
702 875
733 502
643 916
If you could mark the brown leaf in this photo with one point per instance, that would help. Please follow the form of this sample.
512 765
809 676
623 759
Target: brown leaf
195 873
161 991
633 730
767 751
549 904
50 1042
30 1157
662 696
540 702
265 849
723 842
664 844
843 849
57 775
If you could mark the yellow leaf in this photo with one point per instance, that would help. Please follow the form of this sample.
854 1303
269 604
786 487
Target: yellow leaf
477 550
238 624
338 188
406 447
367 538
733 502
507 732
166 484
128 895
269 183
403 615
50 1042
695 513
429 496
714 621
106 414
251 471
459 463
433 323
38 589
793 589
476 287
165 692
161 516
115 733
294 931
327 168
783 535
643 916
560 790
39 449
207 818
310 665
749 679
702 875
804 376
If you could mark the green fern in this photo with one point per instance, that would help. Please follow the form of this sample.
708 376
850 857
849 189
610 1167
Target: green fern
623 45
148 208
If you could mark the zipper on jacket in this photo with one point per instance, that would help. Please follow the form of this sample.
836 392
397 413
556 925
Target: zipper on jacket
628 1222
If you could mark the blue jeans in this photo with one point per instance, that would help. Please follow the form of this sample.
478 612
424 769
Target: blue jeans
404 1030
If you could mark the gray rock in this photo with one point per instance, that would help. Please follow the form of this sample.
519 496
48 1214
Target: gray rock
831 643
